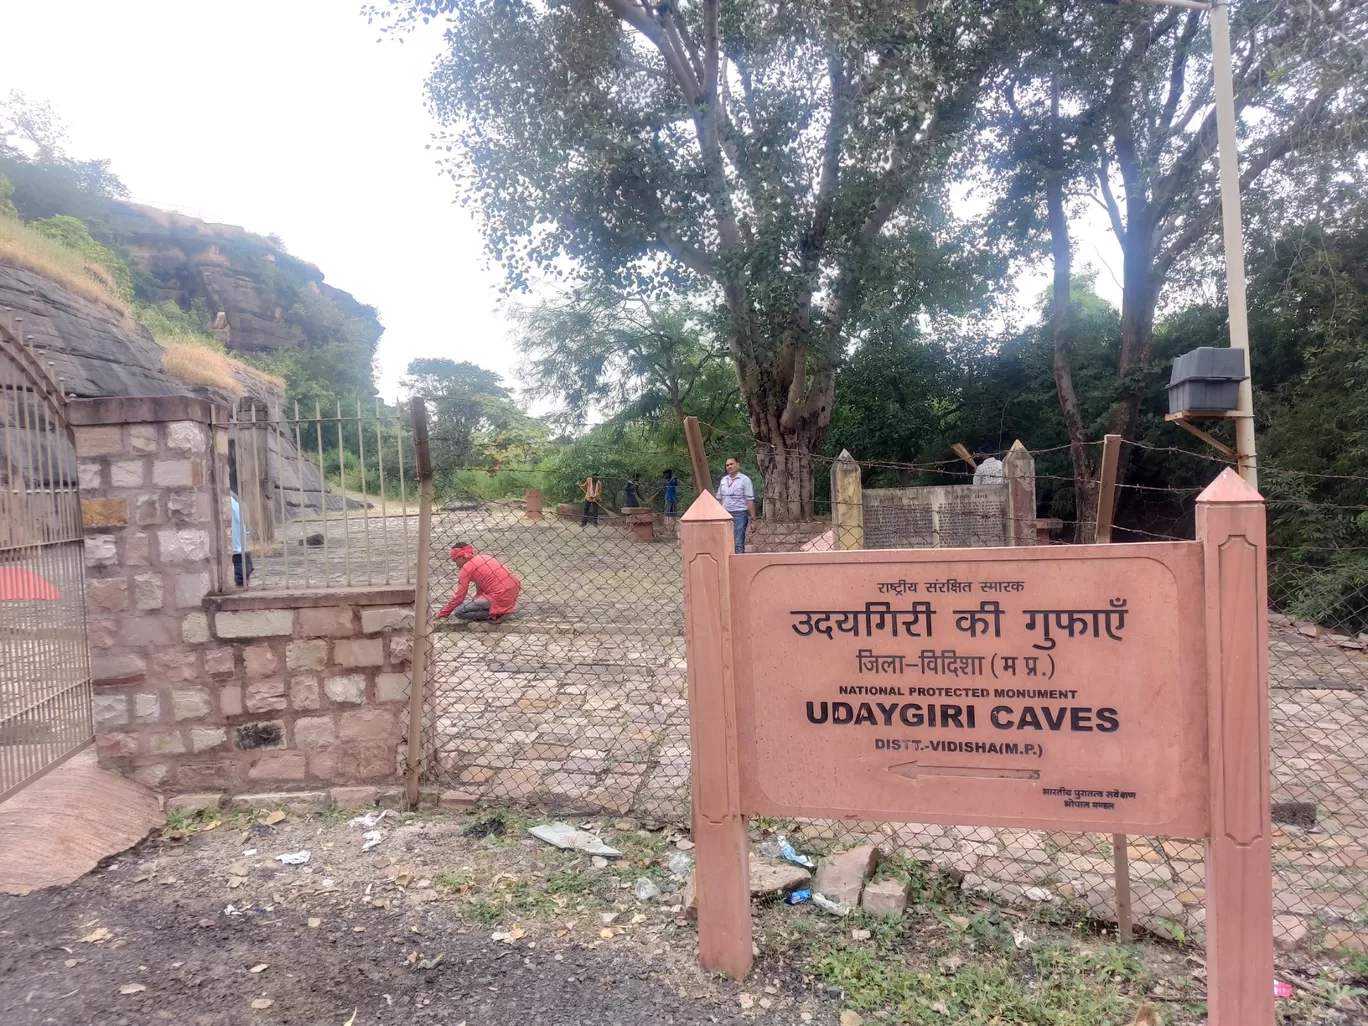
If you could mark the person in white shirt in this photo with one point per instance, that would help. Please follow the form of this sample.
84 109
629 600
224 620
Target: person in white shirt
737 495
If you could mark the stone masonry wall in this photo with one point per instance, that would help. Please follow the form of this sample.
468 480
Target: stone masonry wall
198 686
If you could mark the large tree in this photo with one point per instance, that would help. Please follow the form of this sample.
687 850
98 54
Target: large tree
774 156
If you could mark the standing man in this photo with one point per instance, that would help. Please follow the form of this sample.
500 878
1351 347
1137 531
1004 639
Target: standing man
496 589
671 492
242 559
593 488
631 492
737 495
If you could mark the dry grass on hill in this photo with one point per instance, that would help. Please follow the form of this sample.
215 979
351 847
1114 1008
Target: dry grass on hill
21 246
198 362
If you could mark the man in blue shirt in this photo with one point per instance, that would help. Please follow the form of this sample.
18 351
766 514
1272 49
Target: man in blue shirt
671 492
242 560
737 495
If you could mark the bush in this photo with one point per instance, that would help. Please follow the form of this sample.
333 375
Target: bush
72 233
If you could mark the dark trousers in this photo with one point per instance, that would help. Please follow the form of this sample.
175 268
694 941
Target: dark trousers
670 505
242 573
740 521
591 512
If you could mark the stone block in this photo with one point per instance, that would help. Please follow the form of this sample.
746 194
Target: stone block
99 441
191 703
153 776
768 877
365 760
147 591
476 775
204 739
314 732
149 628
186 436
200 801
101 550
175 665
137 549
357 797
104 513
359 652
265 696
102 631
307 655
349 687
279 766
142 438
227 773
323 764
191 589
455 801
116 746
254 623
515 782
194 630
840 877
400 648
1289 932
89 477
108 669
297 801
884 897
178 473
367 725
166 743
107 595
230 700
326 622
1351 941
110 710
147 707
148 510
304 691
259 661
126 474
187 507
218 662
250 736
184 545
373 621
391 687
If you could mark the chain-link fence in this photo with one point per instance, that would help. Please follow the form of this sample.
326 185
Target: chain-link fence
577 702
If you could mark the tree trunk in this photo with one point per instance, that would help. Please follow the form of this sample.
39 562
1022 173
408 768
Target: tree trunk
788 483
1085 485
1137 328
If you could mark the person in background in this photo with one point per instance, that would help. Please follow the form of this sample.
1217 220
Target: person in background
671 492
242 559
631 491
496 589
737 495
593 488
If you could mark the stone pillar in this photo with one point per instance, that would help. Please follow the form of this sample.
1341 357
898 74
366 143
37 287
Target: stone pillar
722 863
847 503
534 504
1239 856
1019 470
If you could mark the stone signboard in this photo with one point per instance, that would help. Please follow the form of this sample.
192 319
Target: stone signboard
1114 688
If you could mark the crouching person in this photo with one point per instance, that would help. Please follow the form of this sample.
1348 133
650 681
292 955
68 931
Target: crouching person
496 589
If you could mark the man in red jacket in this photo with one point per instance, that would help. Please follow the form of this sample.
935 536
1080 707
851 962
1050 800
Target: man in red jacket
496 589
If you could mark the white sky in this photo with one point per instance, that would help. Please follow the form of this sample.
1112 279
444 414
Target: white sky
289 118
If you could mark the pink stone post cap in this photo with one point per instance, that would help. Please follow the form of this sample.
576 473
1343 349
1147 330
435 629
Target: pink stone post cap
1230 487
705 509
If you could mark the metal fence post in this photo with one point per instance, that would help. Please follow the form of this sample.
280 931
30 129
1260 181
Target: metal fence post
421 620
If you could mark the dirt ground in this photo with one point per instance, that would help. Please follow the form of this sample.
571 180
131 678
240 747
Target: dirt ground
452 919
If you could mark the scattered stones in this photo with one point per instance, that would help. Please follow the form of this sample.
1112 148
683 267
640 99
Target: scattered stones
841 877
885 897
776 877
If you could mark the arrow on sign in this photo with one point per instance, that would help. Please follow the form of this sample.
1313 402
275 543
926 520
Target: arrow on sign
912 770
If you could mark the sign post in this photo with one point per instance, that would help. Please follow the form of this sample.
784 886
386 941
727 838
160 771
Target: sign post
1116 688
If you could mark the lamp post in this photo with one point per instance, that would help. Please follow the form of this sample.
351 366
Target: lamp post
1236 302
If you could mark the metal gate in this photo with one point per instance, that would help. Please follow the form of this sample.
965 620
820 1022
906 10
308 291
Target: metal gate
45 689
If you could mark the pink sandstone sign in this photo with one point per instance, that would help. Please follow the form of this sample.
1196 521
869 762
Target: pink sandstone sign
1114 688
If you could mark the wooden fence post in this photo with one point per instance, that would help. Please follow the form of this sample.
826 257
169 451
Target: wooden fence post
847 503
422 621
698 459
722 854
1239 853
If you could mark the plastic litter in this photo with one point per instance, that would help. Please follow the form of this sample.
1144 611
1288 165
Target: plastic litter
681 863
834 907
646 889
372 838
1282 990
797 897
563 835
370 819
294 858
781 849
